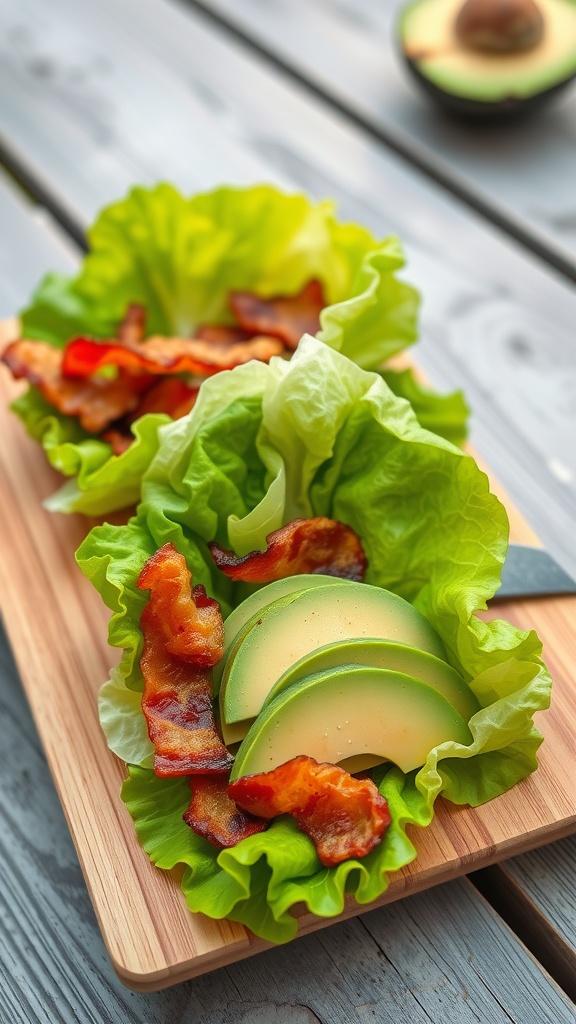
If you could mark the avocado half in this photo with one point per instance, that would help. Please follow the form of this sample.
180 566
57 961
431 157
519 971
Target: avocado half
471 61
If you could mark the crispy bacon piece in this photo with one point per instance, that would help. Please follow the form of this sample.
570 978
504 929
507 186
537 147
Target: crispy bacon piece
344 817
191 622
215 817
96 402
132 327
287 317
177 704
159 355
170 395
183 636
118 440
228 334
317 545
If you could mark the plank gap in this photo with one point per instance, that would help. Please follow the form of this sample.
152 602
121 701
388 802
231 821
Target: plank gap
528 922
27 181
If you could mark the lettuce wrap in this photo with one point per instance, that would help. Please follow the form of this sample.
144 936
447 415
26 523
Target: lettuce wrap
180 257
318 436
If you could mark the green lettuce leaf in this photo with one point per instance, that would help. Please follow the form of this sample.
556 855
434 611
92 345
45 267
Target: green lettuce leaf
446 415
180 257
320 436
258 881
96 473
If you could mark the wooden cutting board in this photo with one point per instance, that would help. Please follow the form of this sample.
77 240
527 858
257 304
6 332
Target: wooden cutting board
57 625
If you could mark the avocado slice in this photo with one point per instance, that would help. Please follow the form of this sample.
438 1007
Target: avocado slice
384 654
254 604
293 626
346 712
490 57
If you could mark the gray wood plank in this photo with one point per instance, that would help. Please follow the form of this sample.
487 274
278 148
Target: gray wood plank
30 245
537 894
403 962
521 173
105 93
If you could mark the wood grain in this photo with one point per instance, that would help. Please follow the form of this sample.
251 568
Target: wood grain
151 937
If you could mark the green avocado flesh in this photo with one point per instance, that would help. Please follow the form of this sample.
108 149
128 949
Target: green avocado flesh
294 626
384 654
266 595
343 713
430 44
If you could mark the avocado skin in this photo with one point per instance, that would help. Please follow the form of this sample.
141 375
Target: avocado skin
484 110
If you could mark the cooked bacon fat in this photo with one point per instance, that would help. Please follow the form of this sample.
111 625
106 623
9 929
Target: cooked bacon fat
183 636
287 317
215 817
317 545
344 817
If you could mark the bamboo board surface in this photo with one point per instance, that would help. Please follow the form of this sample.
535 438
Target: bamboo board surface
57 626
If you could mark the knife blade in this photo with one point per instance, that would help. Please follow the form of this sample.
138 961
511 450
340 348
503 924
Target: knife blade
530 572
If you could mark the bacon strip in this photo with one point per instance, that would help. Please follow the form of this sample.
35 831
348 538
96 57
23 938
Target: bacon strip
190 622
96 402
159 355
317 545
183 636
170 395
118 440
287 317
132 327
344 817
215 817
228 334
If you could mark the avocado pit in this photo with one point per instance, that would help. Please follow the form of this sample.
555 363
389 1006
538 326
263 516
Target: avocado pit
490 58
499 26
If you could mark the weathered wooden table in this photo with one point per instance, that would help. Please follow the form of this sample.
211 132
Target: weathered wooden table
98 94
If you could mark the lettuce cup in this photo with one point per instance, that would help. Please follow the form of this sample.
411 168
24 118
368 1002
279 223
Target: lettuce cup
265 445
202 277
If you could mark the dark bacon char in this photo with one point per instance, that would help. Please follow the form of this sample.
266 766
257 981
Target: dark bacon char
345 817
183 638
317 545
213 815
287 317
